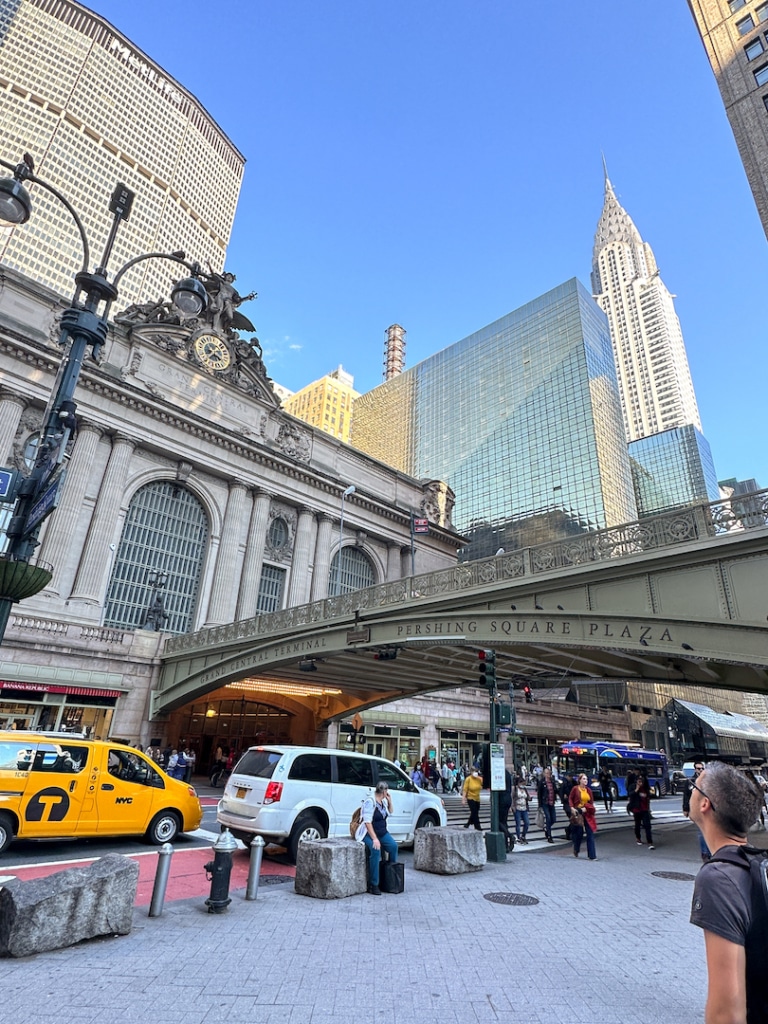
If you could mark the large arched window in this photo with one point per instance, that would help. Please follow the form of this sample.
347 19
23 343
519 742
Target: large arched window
352 571
163 540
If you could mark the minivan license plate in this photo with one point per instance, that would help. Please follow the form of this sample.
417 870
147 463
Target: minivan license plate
241 791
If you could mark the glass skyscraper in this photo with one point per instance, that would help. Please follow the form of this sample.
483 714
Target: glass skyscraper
522 419
671 469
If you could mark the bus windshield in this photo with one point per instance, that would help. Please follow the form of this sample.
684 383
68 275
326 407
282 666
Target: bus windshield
618 759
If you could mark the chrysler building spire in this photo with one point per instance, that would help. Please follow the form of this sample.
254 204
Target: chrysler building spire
651 362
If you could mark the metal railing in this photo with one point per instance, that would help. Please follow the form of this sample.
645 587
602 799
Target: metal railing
683 526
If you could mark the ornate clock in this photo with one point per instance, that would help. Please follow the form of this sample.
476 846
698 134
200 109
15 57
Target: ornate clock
212 351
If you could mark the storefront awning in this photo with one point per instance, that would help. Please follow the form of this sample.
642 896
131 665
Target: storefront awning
78 691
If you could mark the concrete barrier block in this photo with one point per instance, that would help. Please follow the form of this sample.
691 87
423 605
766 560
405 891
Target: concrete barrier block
67 907
330 869
449 850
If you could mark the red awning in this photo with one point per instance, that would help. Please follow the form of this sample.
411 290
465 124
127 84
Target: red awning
78 691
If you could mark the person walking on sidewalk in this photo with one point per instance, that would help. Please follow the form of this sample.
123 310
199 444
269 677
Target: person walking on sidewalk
583 819
690 785
375 811
470 795
727 904
547 795
520 800
640 805
606 788
505 802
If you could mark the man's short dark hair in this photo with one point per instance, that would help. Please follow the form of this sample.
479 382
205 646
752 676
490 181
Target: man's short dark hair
736 800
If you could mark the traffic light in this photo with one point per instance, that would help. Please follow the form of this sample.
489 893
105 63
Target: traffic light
529 698
385 654
487 668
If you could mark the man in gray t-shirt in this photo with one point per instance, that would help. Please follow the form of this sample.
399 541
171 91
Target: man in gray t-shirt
724 804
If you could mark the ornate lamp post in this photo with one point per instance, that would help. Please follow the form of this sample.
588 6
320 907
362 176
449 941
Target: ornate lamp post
84 325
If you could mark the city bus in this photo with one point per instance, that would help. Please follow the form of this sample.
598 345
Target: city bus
590 756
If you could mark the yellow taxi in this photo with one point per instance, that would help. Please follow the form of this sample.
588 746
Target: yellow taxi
57 785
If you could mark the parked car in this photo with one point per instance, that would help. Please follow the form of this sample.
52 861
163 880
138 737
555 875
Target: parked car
290 794
59 786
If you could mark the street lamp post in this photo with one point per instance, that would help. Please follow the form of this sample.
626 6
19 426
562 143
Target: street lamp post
344 495
84 325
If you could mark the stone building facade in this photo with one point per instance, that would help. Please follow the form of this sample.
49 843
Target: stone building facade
191 499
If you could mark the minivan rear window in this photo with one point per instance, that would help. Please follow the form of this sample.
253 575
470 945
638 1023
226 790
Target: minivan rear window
259 763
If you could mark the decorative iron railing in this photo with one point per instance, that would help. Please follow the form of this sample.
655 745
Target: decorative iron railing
683 526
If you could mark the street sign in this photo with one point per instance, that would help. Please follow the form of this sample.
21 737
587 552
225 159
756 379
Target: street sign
8 481
44 505
421 526
497 766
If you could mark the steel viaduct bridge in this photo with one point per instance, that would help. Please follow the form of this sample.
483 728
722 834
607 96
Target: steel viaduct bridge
676 598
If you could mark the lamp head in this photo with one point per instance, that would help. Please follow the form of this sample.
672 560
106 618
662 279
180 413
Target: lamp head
350 490
15 204
189 297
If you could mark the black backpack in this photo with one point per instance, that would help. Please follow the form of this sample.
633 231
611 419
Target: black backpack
756 862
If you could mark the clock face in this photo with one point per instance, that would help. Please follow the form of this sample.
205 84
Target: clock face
212 351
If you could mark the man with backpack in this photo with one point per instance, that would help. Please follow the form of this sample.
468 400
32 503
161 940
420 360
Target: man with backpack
730 897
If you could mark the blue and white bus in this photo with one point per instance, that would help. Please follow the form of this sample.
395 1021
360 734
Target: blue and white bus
591 756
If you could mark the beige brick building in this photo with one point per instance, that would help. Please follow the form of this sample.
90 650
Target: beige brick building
735 37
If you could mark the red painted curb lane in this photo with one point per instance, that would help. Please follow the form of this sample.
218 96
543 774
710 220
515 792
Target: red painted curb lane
187 879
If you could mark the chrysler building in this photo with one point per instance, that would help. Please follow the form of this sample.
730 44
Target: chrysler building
651 363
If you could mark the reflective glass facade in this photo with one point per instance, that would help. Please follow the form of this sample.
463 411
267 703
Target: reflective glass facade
522 419
671 469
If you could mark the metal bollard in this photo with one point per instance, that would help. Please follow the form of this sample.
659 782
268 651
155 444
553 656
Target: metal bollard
218 870
254 868
164 855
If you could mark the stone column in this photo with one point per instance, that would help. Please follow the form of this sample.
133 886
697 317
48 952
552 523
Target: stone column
57 546
298 585
11 408
322 559
405 561
254 555
394 562
95 562
221 607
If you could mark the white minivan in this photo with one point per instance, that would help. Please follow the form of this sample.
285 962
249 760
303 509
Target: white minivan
289 794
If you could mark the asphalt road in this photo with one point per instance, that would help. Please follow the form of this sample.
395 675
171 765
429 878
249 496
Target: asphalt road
31 853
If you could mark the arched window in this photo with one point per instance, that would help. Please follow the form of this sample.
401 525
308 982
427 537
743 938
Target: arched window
352 572
164 538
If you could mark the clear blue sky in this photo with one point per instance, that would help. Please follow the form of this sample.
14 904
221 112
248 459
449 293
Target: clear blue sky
437 163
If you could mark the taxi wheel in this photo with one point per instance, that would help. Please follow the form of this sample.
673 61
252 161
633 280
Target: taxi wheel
426 820
6 831
163 828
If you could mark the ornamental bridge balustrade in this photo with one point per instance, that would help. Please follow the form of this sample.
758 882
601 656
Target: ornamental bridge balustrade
680 597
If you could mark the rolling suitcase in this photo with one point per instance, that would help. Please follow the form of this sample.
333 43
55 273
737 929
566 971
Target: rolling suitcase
391 876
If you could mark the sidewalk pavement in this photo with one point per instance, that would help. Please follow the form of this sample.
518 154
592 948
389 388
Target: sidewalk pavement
607 941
